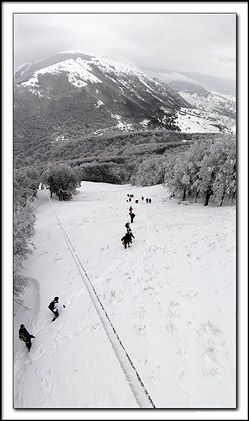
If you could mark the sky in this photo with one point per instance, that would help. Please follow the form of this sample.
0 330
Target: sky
159 44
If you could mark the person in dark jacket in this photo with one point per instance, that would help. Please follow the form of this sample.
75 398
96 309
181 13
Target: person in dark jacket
127 238
132 215
55 306
129 235
124 240
25 336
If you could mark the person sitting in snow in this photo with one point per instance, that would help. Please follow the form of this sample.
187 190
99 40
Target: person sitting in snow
25 336
54 306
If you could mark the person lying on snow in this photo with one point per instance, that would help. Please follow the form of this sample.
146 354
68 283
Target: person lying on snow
25 336
55 306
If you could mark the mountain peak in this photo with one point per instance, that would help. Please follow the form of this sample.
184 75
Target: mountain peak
108 93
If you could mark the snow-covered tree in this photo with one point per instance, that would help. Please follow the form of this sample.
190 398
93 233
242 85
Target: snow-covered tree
23 230
215 171
151 171
61 180
26 182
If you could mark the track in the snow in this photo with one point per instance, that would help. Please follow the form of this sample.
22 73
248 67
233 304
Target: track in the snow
136 384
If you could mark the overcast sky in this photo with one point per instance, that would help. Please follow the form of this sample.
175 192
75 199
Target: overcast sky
200 43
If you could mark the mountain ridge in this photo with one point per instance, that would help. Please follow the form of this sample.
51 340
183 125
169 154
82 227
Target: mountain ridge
139 97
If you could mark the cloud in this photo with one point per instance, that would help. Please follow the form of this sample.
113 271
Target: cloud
180 43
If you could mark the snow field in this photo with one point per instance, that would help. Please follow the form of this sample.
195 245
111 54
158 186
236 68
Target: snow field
171 298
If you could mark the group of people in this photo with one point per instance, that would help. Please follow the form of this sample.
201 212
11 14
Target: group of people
127 238
26 337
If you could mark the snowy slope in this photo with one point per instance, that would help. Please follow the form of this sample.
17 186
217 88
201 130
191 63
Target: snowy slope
170 297
211 112
196 120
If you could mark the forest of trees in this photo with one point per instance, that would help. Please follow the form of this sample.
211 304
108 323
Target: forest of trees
206 170
26 183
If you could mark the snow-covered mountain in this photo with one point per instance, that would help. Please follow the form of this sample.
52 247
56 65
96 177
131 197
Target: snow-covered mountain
95 92
211 111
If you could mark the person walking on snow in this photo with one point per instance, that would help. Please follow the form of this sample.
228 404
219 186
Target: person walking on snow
126 239
130 209
25 336
129 236
55 306
132 215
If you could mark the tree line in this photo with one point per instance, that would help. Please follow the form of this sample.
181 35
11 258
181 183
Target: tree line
207 170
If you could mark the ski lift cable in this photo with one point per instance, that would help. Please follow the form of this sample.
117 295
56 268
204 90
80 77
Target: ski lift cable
18 210
139 395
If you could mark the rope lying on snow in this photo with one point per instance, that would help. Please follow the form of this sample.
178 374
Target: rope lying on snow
139 397
18 210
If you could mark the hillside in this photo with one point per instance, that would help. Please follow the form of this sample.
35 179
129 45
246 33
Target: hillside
170 297
73 92
210 111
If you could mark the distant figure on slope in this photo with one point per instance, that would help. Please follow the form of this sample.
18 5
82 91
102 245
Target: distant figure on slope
130 209
129 199
132 215
54 306
147 199
129 235
25 336
127 225
142 198
136 201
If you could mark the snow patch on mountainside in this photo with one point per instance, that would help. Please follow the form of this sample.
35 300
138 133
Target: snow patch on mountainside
218 104
197 120
211 102
79 73
111 66
99 103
